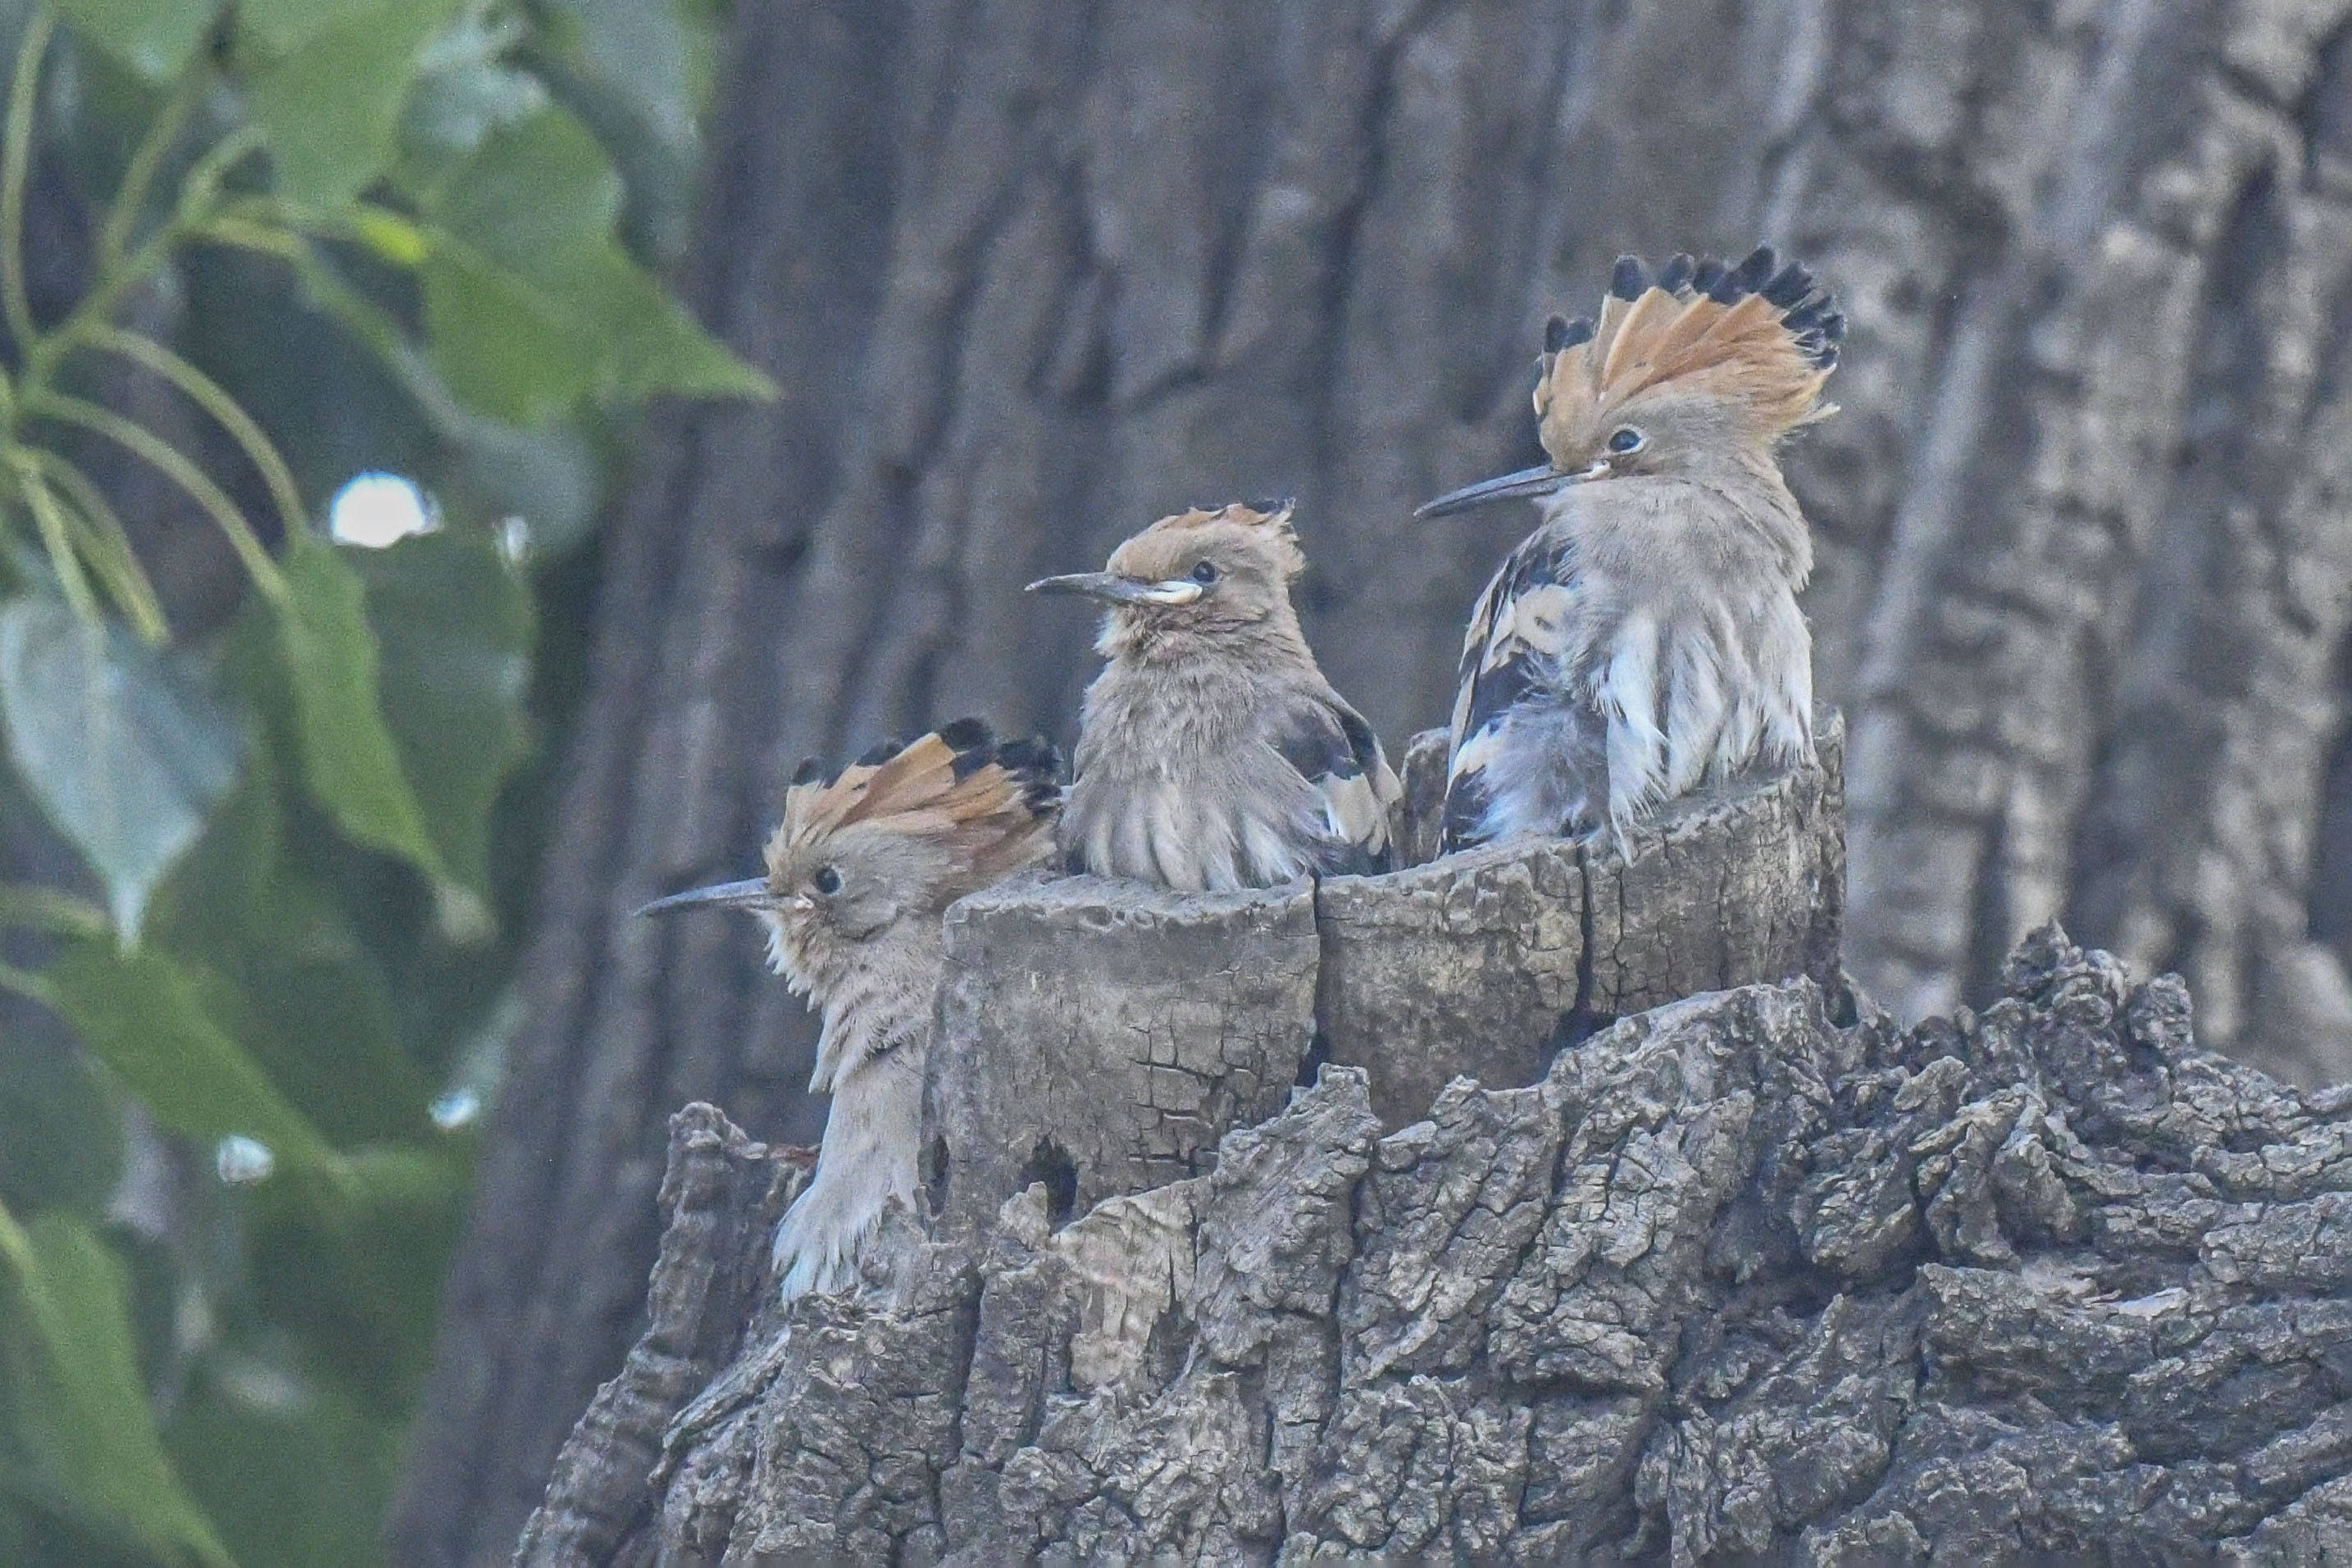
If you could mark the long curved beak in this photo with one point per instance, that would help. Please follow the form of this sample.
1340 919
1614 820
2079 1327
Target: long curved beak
750 893
1118 589
1542 479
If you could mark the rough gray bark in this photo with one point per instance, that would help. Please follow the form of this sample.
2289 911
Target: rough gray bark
1730 1283
1034 271
1101 1036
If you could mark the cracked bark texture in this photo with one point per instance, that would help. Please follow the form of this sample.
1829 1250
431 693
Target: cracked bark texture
1732 1282
1102 1036
1033 272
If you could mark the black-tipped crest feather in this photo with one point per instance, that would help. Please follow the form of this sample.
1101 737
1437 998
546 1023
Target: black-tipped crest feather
1696 321
1788 285
1750 274
964 734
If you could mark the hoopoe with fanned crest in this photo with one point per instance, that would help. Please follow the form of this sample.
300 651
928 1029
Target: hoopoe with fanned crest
860 873
1213 755
1645 640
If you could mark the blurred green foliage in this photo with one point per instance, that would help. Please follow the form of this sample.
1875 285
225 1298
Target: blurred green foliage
258 1021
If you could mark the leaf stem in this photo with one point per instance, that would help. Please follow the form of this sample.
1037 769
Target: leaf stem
15 169
210 396
95 310
26 983
112 557
203 183
175 465
50 911
162 135
56 537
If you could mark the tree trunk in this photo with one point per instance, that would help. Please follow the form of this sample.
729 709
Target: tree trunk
1033 273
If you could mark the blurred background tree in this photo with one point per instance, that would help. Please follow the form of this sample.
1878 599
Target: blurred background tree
323 319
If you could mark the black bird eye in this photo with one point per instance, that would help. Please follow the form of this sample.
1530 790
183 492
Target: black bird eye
1626 439
826 881
1205 573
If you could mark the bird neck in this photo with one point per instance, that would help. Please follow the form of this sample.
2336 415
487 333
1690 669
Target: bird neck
1187 694
1150 638
880 993
1739 484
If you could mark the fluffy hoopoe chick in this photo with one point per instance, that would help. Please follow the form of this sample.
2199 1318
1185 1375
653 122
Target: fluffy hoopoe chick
1213 755
859 873
1646 639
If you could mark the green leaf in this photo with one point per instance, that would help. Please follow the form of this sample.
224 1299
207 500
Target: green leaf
310 1005
658 347
122 747
298 1472
505 349
153 37
81 1408
517 229
465 91
63 1145
360 1278
349 760
454 621
639 72
329 109
281 24
538 201
322 1025
530 301
153 1019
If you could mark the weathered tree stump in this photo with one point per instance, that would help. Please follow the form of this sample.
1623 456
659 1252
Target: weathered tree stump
1731 1282
1479 965
1105 1034
1101 1036
1751 1274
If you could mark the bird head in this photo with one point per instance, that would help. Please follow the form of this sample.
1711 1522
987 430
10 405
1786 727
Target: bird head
1199 571
1705 362
884 847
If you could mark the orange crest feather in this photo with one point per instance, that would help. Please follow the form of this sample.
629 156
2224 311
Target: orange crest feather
1763 339
994 800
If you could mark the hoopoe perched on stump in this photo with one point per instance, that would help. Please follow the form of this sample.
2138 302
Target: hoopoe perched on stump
860 872
1646 639
1213 755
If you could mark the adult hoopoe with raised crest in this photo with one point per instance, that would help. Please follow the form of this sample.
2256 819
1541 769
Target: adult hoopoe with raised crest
1213 755
859 873
1646 639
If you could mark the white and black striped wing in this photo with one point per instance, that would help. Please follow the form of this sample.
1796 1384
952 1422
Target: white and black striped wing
1529 624
1329 746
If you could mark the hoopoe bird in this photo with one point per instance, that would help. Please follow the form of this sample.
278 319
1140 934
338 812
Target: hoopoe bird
1645 640
860 872
1213 755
